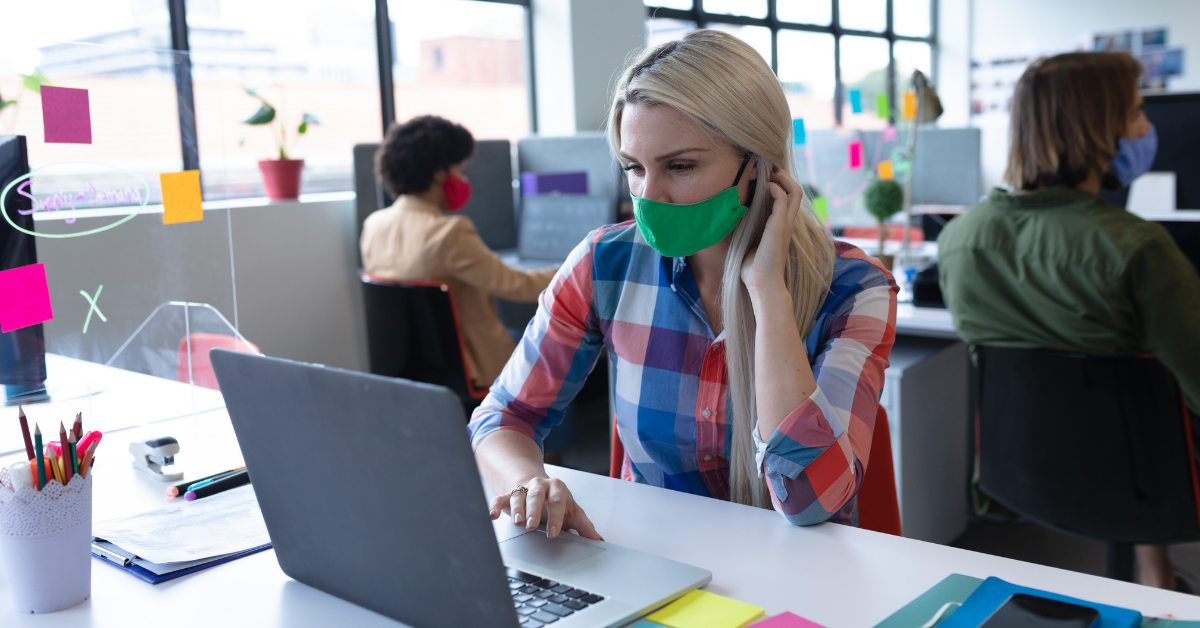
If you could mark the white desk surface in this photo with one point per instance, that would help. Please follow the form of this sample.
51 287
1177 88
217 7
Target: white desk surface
109 398
933 322
838 576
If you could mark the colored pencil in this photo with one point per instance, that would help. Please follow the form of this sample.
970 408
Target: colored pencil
182 487
54 467
87 460
233 481
37 440
64 453
25 431
78 428
74 453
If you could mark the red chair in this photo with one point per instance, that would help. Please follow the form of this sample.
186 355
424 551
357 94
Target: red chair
878 507
202 373
895 233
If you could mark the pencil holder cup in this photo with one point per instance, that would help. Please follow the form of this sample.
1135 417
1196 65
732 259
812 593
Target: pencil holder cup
45 544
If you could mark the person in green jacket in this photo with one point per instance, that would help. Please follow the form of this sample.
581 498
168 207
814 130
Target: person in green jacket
1046 263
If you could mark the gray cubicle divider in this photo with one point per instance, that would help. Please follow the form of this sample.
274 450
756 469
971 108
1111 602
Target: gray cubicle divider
553 224
582 151
491 207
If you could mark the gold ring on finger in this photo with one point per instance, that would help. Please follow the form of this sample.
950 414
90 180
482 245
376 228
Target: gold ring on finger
519 489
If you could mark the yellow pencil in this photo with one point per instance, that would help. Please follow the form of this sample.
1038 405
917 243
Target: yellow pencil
55 469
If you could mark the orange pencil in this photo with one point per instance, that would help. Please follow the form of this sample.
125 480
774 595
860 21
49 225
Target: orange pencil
87 460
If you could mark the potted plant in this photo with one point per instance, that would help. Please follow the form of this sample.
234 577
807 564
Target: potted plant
884 198
281 177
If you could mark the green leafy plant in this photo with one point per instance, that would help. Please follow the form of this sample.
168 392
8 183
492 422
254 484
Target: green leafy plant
32 82
884 198
267 115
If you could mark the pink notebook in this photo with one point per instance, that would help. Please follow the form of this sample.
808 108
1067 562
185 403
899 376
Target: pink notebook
786 620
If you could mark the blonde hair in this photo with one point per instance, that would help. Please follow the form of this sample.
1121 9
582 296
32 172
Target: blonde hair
723 85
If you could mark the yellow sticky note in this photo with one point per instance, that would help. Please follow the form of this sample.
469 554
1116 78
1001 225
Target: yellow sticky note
909 110
701 609
885 170
181 196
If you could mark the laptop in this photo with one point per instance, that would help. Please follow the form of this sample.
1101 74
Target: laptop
370 492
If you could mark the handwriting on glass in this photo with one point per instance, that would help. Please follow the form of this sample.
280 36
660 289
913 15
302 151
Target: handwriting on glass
67 200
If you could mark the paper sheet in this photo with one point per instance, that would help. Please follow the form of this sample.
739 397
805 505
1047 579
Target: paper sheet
701 609
66 115
855 101
885 170
222 524
24 297
798 131
855 155
786 620
883 108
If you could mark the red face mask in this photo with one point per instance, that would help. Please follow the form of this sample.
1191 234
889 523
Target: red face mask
457 192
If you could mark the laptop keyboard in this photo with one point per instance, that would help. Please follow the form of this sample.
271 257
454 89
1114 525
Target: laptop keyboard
540 601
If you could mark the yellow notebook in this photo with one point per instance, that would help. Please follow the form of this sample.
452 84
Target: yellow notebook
701 609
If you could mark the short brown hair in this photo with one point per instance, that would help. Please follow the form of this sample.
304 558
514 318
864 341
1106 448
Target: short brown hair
415 151
1066 115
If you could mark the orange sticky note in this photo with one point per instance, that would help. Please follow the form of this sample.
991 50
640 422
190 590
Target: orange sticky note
909 110
181 196
885 169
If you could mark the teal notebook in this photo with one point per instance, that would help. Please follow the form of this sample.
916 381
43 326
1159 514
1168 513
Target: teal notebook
957 588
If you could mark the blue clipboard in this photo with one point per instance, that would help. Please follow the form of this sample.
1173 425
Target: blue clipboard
994 592
153 578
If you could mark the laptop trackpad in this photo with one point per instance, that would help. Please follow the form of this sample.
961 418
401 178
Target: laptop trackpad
535 549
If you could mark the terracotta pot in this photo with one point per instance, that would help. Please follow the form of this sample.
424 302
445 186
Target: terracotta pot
281 177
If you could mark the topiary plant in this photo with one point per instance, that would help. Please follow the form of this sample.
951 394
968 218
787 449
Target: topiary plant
884 198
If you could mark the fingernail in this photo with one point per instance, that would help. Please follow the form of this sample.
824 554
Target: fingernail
529 526
518 519
551 531
492 512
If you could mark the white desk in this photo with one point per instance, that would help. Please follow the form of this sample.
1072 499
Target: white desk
931 322
838 576
109 398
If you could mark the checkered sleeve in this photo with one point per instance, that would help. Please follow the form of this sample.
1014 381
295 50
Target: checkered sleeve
814 461
557 352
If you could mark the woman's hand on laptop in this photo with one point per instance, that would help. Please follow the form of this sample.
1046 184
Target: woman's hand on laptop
549 500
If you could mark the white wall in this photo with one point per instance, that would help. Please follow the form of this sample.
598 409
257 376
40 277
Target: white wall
580 47
953 73
1036 27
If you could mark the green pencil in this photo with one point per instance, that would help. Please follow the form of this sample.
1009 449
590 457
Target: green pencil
37 450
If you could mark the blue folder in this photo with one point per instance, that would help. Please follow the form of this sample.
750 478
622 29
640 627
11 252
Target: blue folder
994 592
153 578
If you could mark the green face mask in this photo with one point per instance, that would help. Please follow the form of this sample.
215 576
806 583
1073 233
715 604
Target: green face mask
682 230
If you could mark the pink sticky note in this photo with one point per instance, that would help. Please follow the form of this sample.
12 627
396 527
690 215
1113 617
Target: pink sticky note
786 620
24 297
855 155
66 115
889 134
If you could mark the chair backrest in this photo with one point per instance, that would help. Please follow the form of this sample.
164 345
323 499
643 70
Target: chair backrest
202 373
1096 447
413 332
878 507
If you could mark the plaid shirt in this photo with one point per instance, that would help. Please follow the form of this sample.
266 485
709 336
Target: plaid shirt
672 405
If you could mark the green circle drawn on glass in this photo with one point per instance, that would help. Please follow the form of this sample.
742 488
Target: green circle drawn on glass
137 210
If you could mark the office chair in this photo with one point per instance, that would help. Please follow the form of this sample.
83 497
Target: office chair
1099 448
202 372
413 332
878 506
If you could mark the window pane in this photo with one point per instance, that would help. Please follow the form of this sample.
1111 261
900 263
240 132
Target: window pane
863 15
317 57
806 73
805 11
659 30
130 83
910 55
911 17
759 37
864 68
748 8
669 4
469 69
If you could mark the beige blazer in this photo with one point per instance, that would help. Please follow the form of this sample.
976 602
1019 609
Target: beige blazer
413 240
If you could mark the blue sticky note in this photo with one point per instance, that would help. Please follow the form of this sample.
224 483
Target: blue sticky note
646 623
855 101
798 130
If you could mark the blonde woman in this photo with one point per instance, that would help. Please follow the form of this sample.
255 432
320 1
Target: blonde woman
748 347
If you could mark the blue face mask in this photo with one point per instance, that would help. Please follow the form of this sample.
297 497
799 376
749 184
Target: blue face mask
1134 157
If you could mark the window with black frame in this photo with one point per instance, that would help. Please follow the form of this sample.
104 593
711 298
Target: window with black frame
834 58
